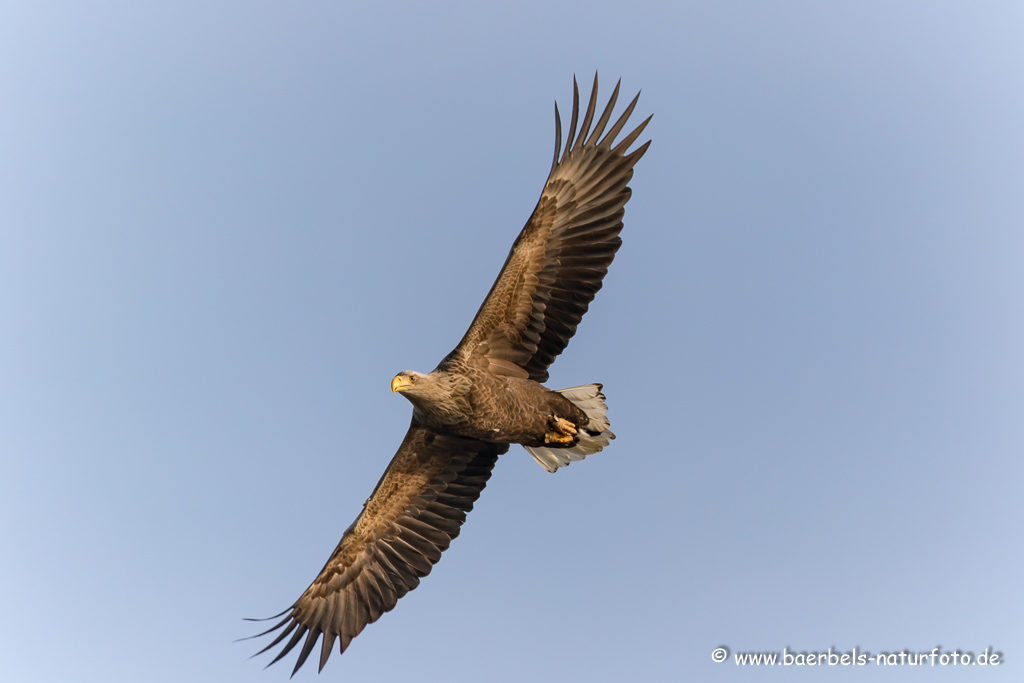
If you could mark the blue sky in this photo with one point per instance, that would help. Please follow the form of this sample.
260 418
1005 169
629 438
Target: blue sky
224 228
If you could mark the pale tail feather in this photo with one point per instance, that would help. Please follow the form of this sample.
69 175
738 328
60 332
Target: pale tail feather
596 436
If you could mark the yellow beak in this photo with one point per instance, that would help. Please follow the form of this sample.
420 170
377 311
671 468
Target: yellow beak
399 383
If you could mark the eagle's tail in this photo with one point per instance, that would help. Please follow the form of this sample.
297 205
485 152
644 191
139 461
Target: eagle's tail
592 438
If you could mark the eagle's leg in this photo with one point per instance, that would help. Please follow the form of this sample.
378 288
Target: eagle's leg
562 431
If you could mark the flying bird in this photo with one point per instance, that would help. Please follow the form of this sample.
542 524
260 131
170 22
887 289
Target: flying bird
486 394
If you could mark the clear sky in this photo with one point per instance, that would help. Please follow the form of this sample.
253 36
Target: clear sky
225 226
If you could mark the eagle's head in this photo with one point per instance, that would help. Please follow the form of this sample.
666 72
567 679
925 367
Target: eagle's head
434 392
422 389
410 383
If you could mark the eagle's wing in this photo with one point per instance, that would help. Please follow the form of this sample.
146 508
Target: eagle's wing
557 263
416 510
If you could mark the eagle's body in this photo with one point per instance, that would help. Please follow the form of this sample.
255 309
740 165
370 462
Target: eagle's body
479 405
486 394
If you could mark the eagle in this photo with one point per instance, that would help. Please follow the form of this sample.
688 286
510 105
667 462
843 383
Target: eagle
486 394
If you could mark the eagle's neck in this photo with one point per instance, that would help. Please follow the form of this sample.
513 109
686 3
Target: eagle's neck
442 399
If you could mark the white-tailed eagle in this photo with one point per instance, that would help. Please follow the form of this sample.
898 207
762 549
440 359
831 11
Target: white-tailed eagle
486 394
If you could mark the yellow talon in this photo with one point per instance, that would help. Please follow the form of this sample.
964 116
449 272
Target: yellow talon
563 426
563 431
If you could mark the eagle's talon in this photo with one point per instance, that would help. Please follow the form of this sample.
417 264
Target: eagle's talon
562 431
554 437
563 426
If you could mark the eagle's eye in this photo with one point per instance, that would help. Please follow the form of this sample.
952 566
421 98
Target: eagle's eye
412 378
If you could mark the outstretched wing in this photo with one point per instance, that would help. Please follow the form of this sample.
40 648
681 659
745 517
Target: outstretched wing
414 513
557 263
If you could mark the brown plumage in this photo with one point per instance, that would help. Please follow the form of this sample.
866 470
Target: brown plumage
486 394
